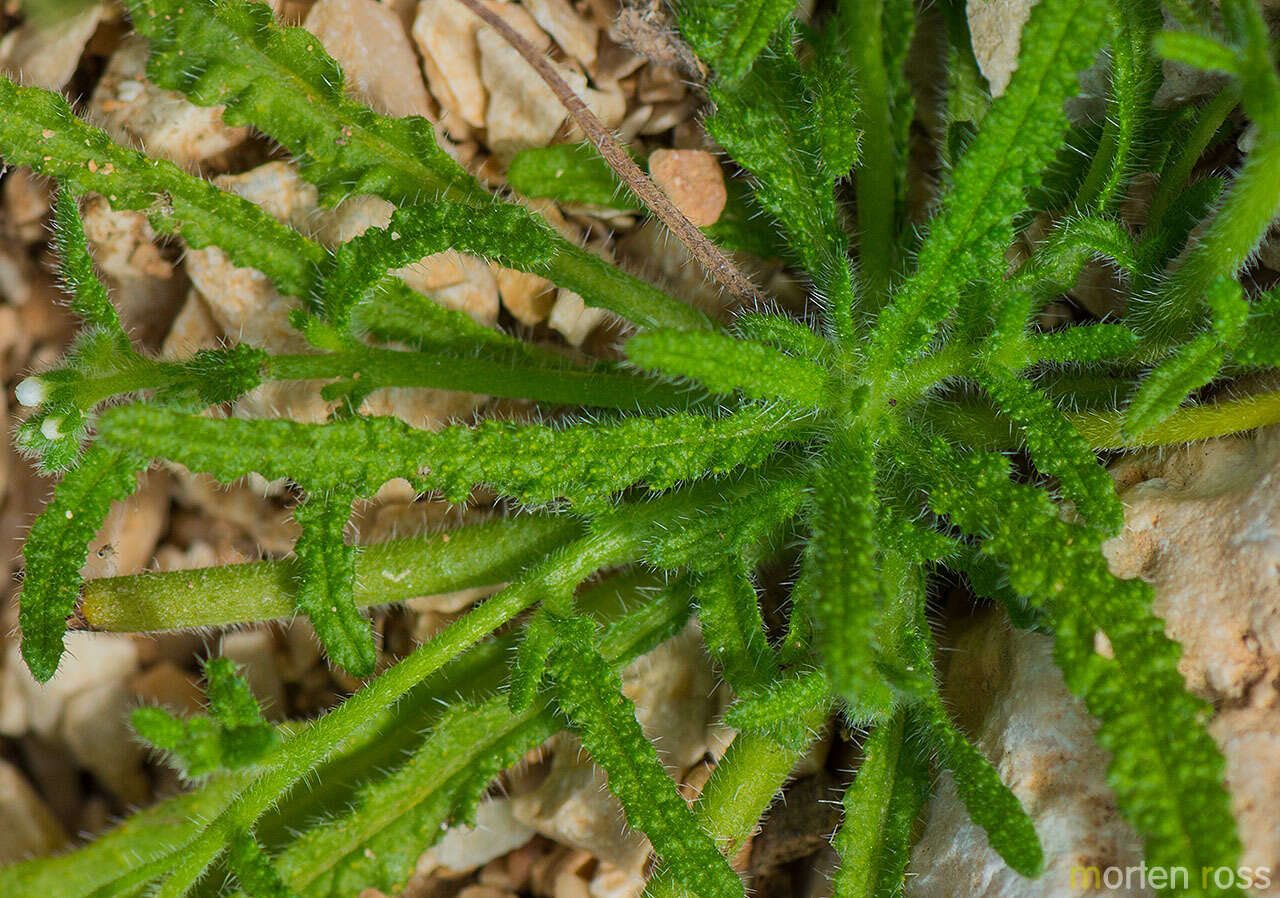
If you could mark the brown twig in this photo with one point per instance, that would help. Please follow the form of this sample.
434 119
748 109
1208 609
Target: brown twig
706 252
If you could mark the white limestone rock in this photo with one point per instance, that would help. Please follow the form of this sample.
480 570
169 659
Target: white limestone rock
1203 528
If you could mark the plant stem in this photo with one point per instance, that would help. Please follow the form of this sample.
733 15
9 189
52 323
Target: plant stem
1176 173
977 424
297 757
478 555
509 379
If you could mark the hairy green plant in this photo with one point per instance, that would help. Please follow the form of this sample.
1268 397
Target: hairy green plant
874 434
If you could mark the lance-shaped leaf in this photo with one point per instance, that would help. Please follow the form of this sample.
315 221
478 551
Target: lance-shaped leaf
38 128
791 337
847 595
252 869
989 802
1018 139
728 36
1083 343
723 365
571 173
507 234
769 708
376 842
326 578
57 545
764 123
732 627
1195 363
1199 51
280 79
538 642
880 812
590 694
88 295
1165 769
232 736
535 464
1057 448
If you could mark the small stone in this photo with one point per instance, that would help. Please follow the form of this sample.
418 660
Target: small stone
169 686
45 52
137 112
497 831
95 726
90 660
574 34
995 27
523 111
526 296
445 32
572 318
693 181
30 828
368 40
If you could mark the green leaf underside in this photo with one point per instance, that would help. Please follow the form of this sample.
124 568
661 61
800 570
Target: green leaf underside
880 812
847 594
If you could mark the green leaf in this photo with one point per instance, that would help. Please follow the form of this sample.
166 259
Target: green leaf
233 54
57 545
376 842
1168 384
728 35
791 337
1017 141
990 803
847 595
234 736
590 694
1165 769
723 364
253 870
534 464
531 662
1057 448
89 296
769 709
570 173
764 123
38 128
1083 344
732 627
280 80
326 582
509 235
1197 50
880 812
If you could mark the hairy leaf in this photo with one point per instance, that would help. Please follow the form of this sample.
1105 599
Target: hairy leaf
723 365
880 812
1019 135
57 545
590 694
